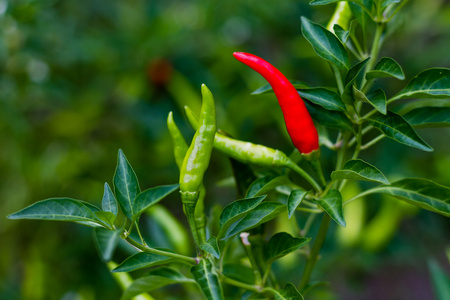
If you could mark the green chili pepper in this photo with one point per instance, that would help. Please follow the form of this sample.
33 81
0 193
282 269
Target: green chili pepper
341 16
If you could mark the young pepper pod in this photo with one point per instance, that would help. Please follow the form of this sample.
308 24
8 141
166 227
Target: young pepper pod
299 124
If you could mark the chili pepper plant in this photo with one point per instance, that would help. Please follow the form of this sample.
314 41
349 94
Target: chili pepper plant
234 247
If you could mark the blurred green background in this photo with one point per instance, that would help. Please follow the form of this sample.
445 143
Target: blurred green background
81 79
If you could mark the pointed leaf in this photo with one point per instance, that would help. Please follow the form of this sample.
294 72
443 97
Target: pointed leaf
58 209
239 272
150 197
386 67
282 244
327 118
106 217
263 213
341 33
211 247
126 185
109 202
265 184
141 260
325 44
170 273
420 192
378 100
323 2
289 292
323 97
385 3
265 89
295 198
236 210
393 126
427 117
332 205
361 15
106 242
431 83
358 169
350 78
206 276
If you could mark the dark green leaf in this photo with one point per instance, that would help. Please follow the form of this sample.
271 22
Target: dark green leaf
358 169
106 242
268 88
378 100
325 44
394 127
332 205
237 209
440 280
58 209
109 202
350 78
141 260
106 217
426 117
243 176
239 272
295 198
263 213
386 67
150 197
327 118
126 185
385 3
265 184
431 83
341 33
211 247
423 193
323 2
282 244
323 97
289 292
360 14
170 273
205 275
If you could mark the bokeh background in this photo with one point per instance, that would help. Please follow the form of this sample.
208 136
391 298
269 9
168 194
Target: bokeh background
81 79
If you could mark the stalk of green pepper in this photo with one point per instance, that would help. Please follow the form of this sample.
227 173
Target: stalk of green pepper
197 159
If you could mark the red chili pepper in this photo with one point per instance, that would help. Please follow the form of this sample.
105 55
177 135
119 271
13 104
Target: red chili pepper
299 124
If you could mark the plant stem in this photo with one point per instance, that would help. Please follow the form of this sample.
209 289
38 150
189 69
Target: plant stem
339 81
374 52
251 258
373 142
314 211
250 287
308 224
139 233
305 175
143 248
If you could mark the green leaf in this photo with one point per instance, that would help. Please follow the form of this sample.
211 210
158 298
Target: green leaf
295 198
341 33
332 205
150 197
239 272
360 14
385 3
106 217
323 2
265 184
58 209
386 67
358 169
263 213
420 192
440 280
327 118
237 209
282 244
350 78
109 202
323 97
378 100
126 185
325 44
265 89
289 292
211 247
106 242
141 260
427 117
431 83
205 275
393 126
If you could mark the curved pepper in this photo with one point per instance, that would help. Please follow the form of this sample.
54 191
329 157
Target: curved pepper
299 124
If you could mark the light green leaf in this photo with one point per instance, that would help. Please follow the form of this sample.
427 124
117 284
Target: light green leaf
385 3
325 44
431 83
239 272
263 213
206 276
323 2
141 260
440 280
423 193
358 169
295 198
386 67
106 242
150 197
236 210
109 202
59 209
393 126
341 33
427 117
289 292
282 244
126 185
265 89
106 217
323 97
332 205
327 118
265 184
211 247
